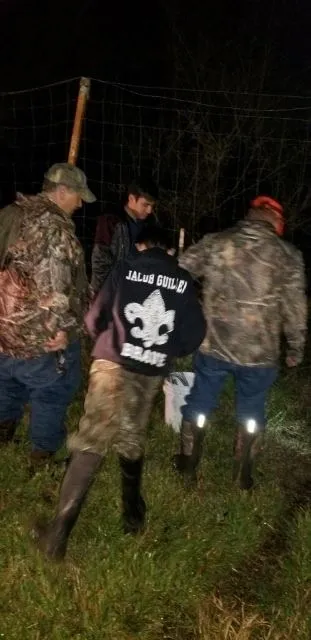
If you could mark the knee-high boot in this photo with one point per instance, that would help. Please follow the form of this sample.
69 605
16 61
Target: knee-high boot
52 538
191 449
246 448
133 505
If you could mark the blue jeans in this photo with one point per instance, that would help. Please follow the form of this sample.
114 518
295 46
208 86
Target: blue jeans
252 386
49 392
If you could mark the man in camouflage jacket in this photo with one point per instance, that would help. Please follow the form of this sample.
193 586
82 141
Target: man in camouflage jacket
253 292
43 299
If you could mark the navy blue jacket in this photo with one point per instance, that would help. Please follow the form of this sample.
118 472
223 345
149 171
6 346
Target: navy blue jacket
146 314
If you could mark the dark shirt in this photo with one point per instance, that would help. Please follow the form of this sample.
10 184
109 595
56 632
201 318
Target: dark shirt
146 314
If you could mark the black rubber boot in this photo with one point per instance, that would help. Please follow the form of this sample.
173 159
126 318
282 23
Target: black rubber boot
191 449
133 505
7 430
246 448
52 538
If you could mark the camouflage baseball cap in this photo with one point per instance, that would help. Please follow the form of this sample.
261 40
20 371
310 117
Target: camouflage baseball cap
72 177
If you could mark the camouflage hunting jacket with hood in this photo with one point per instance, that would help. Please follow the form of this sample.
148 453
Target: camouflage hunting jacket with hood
254 291
43 282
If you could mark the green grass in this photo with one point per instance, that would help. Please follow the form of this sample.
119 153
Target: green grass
213 564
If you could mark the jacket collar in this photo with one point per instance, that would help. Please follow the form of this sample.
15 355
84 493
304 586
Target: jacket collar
257 228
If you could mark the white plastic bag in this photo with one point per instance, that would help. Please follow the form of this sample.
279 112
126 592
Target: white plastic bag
176 387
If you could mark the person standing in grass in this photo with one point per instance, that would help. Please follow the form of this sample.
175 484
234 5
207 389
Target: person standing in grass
146 314
44 295
253 292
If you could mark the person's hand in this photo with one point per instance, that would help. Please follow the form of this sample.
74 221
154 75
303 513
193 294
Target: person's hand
291 362
58 343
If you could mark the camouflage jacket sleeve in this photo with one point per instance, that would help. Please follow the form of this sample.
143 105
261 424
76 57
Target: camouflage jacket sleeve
294 307
54 277
10 222
194 258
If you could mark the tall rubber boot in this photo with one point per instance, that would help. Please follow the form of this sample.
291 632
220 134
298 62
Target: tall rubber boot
133 504
247 446
52 538
191 449
7 430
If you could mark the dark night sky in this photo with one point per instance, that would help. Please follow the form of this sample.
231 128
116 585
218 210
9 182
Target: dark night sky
132 41
66 38
243 45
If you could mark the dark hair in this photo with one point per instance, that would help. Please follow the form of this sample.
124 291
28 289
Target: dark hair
153 236
143 189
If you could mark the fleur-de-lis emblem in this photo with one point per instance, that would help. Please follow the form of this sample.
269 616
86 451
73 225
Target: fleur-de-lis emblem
153 317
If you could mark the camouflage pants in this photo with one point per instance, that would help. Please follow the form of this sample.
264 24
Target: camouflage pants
116 411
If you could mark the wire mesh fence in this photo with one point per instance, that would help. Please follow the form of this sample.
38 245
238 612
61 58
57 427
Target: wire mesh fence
209 152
